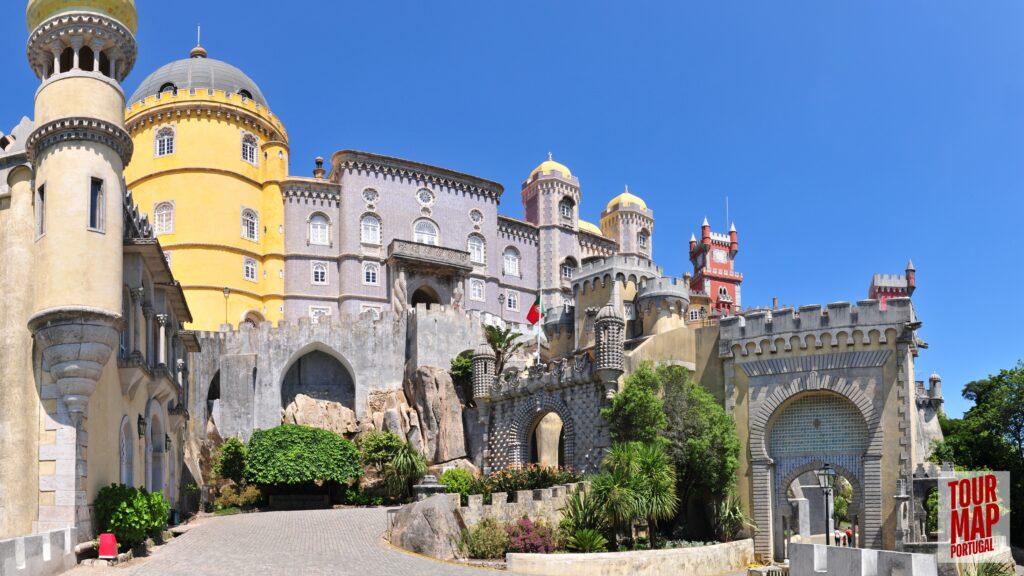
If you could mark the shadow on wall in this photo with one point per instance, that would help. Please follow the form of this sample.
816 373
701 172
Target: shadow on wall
320 376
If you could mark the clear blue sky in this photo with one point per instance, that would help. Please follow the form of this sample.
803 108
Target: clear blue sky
848 135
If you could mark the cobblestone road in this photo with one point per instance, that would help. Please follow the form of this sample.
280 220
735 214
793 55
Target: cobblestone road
341 542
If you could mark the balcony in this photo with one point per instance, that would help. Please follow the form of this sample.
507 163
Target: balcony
428 255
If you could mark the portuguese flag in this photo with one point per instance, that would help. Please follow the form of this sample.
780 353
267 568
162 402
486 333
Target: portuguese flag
536 311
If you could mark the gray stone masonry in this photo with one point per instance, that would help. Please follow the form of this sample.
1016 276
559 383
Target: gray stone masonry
544 504
43 554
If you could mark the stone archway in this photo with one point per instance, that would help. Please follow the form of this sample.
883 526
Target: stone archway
320 375
425 295
547 441
528 416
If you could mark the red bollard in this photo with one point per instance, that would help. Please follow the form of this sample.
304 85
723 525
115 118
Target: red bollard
108 546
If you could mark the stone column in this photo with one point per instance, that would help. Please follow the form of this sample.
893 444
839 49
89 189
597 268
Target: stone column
75 345
97 48
761 502
56 48
147 315
872 521
76 44
134 309
161 353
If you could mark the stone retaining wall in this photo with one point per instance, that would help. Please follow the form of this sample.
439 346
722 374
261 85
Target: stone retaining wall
700 561
43 554
543 504
815 559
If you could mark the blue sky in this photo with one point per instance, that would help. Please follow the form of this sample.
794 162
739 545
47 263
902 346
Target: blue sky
848 135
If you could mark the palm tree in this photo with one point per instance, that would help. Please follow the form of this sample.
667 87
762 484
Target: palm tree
638 484
505 342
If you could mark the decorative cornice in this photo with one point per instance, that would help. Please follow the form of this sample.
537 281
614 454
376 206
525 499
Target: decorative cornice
355 161
79 129
429 254
209 109
62 27
313 189
517 228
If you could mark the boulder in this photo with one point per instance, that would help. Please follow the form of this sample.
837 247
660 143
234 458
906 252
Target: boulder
323 414
431 393
439 469
432 527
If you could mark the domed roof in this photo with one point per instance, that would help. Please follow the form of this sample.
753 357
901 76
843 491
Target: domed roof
548 166
198 72
123 10
589 227
627 199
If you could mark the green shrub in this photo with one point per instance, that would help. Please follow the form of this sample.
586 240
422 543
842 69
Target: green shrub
291 454
356 497
131 514
232 497
379 448
228 498
582 511
527 536
486 541
230 463
458 481
406 468
587 540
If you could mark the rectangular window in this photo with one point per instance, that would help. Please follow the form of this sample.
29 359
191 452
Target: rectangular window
41 211
320 273
512 300
250 269
476 290
96 205
694 315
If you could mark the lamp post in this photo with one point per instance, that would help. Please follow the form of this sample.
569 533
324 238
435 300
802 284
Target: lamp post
227 292
826 480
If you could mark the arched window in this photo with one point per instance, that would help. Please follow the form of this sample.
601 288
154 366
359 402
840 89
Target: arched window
644 239
371 275
250 225
245 94
565 208
127 446
319 273
249 269
169 87
425 232
249 146
568 268
163 218
319 229
164 141
369 229
477 249
511 258
476 290
723 292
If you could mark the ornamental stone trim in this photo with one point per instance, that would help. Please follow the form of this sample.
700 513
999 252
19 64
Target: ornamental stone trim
354 161
80 129
219 110
831 361
60 29
528 414
429 254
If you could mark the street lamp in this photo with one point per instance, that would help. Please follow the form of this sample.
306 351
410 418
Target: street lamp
826 480
227 292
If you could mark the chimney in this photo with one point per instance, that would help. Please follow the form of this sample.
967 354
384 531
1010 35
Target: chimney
319 171
775 302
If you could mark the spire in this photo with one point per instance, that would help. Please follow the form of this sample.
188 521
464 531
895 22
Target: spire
705 222
198 51
910 265
692 238
733 227
550 157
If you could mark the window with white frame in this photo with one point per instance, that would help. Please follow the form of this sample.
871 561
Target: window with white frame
249 269
371 274
319 229
249 146
370 229
694 315
511 264
250 225
318 312
477 249
723 292
319 271
643 239
97 206
425 232
164 141
163 218
512 300
476 290
568 268
565 207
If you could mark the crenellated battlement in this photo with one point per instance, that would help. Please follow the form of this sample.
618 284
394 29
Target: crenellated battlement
544 503
169 104
666 287
622 268
764 331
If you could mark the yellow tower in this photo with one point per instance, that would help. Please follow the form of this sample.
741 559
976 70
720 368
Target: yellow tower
81 50
208 169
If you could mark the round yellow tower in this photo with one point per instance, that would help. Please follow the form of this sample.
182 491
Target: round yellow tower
81 50
210 160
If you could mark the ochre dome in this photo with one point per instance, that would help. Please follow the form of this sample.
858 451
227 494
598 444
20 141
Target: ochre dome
549 165
589 227
626 199
124 11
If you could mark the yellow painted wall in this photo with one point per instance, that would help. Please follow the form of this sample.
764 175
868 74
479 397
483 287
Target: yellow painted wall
209 184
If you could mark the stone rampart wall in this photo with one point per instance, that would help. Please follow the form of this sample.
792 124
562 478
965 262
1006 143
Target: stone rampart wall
544 504
43 554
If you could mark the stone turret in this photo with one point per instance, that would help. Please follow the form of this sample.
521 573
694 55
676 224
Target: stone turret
662 304
935 388
484 372
609 327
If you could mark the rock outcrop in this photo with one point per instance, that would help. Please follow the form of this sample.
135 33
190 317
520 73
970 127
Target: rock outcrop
323 414
432 395
432 527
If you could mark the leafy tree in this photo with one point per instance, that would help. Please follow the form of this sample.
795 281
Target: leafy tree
378 448
505 342
291 454
638 484
462 376
636 413
230 462
702 439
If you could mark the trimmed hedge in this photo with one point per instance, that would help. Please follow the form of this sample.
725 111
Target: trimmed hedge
291 455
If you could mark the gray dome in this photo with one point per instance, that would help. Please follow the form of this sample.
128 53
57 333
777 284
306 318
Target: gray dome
198 72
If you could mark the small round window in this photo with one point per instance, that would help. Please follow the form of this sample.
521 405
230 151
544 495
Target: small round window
425 196
476 216
370 195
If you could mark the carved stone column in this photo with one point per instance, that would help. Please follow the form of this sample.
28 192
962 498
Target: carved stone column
75 345
134 311
161 353
147 330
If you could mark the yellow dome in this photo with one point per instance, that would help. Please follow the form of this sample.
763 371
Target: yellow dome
123 10
589 227
548 166
627 199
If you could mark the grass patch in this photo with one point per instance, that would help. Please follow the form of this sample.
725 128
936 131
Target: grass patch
228 511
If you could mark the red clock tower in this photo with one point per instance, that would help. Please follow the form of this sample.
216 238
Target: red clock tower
714 271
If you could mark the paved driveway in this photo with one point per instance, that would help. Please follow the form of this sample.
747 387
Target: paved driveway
341 542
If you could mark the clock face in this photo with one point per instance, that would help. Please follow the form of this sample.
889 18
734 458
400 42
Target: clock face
720 256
